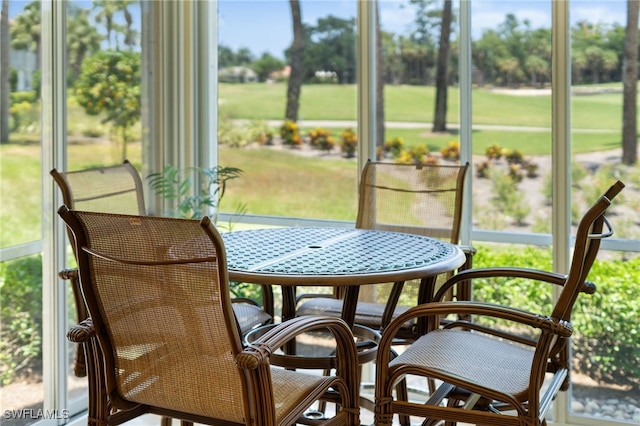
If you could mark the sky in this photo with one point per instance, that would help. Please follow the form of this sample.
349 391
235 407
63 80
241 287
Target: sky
265 25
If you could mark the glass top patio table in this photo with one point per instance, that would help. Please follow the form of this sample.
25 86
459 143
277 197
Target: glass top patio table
318 256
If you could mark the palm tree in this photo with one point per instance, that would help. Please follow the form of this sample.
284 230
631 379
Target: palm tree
25 31
82 39
297 73
630 86
4 73
130 34
106 12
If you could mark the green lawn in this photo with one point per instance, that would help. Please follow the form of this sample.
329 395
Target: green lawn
415 104
291 178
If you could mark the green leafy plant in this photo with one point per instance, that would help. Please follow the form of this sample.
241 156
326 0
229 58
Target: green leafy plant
110 85
394 146
21 317
176 186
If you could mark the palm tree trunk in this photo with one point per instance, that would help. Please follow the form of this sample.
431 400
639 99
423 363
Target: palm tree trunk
379 83
4 73
295 77
630 86
440 116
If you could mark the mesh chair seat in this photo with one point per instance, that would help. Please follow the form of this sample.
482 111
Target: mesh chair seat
250 316
368 314
470 356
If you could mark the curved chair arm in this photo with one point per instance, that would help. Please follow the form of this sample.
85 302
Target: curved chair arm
244 300
82 332
254 359
526 273
259 351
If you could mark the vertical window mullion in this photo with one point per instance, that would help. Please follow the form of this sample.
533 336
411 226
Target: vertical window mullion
53 51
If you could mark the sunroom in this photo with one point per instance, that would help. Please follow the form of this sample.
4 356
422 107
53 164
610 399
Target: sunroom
535 99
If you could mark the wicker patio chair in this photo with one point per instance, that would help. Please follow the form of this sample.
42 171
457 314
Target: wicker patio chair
490 376
119 189
116 189
158 297
416 199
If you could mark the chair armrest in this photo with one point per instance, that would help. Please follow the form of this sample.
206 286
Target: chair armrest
68 274
258 352
82 332
244 300
525 273
303 296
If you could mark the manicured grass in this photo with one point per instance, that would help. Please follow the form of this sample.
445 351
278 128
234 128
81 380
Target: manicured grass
286 184
20 186
416 103
290 179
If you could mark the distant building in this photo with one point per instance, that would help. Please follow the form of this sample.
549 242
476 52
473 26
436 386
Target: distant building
283 74
237 75
24 62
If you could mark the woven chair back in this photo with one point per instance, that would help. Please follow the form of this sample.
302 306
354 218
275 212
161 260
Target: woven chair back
115 189
157 291
417 199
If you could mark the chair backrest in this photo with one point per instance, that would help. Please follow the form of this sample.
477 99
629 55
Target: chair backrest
587 243
157 291
418 199
115 189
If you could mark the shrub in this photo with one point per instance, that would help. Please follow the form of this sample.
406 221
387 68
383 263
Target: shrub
494 152
25 117
290 133
451 152
260 132
349 143
93 131
482 169
394 146
419 153
507 198
606 337
21 317
321 138
513 156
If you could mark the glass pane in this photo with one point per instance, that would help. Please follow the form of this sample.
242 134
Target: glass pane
22 389
605 369
511 59
103 122
416 70
295 167
20 191
103 119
